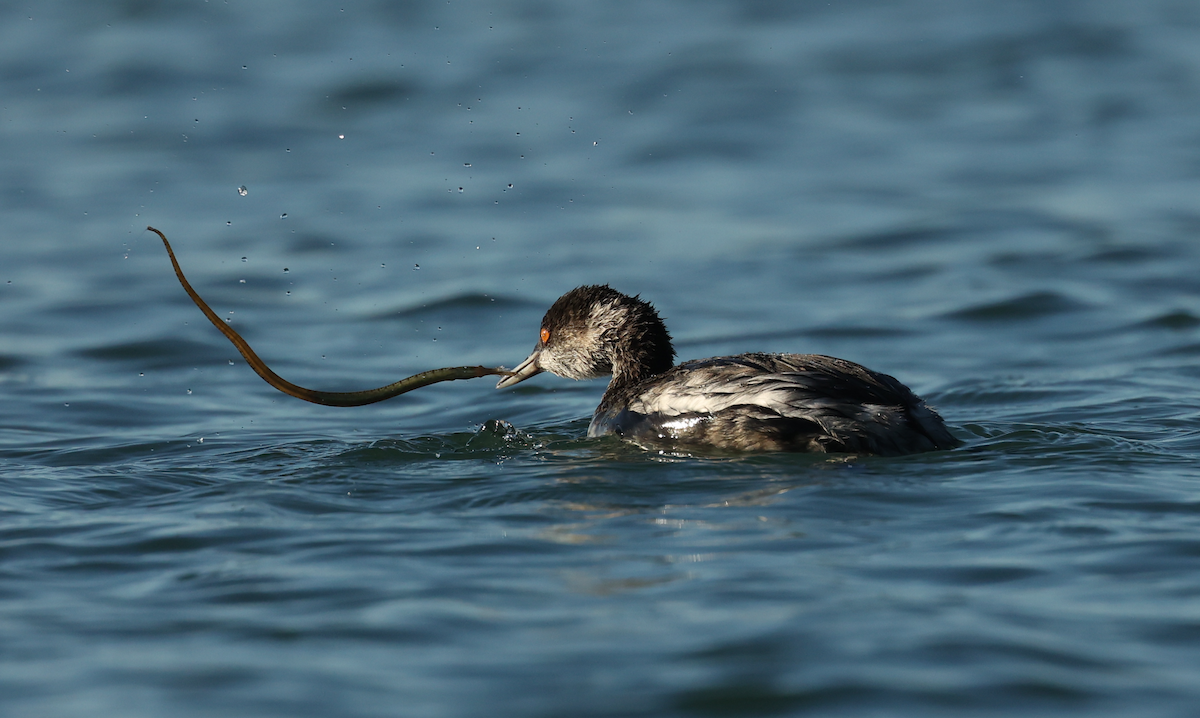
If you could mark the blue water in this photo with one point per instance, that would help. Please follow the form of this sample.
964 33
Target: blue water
996 203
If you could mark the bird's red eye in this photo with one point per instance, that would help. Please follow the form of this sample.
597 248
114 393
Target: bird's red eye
545 335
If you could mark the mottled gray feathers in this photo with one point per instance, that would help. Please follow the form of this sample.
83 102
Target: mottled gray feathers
775 402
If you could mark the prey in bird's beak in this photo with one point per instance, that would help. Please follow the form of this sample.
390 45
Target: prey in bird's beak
326 398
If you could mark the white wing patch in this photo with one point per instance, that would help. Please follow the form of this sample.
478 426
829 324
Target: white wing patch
697 394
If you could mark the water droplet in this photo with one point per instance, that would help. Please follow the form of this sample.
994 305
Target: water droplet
241 281
243 67
243 259
286 270
189 391
289 292
228 224
66 403
283 216
416 267
141 373
382 265
341 137
230 362
460 189
510 183
466 164
243 191
200 440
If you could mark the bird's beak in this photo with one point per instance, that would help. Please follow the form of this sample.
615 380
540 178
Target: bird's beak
524 370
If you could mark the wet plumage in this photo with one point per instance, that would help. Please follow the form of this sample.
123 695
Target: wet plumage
748 402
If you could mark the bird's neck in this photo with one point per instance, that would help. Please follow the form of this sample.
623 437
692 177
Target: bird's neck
640 355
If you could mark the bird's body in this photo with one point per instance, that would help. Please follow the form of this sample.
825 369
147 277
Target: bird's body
748 402
774 402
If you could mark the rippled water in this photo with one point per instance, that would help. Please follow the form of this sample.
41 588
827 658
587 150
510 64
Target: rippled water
997 206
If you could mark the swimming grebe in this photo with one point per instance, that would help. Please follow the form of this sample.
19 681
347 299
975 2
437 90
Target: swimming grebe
748 402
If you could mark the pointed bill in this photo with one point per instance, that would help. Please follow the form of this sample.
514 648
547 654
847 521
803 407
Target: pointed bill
524 370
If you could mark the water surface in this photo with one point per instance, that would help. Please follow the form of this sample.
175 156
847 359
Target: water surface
997 206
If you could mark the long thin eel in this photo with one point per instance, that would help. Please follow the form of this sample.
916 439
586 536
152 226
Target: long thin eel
328 398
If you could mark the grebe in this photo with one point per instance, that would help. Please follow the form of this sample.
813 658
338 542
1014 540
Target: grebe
748 402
